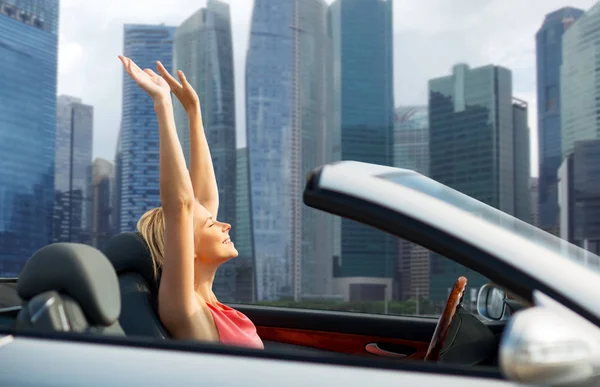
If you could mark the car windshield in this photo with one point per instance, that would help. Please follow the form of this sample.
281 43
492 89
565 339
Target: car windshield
490 214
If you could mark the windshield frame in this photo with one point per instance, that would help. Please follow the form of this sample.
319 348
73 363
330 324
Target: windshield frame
354 191
520 228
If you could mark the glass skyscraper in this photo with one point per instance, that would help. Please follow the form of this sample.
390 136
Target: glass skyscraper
73 171
549 55
580 81
471 147
203 50
362 34
245 278
138 170
521 161
102 178
287 114
28 68
411 138
579 194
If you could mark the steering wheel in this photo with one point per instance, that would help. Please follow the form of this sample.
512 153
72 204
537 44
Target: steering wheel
443 325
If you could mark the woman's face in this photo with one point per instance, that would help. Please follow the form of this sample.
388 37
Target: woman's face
211 237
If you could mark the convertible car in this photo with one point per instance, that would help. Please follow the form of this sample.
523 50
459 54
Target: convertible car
80 316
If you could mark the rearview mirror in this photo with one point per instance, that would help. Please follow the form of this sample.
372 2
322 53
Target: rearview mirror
541 346
491 302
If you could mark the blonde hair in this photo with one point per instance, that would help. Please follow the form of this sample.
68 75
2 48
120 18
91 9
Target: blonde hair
152 227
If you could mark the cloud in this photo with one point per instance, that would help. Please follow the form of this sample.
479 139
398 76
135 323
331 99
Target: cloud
429 37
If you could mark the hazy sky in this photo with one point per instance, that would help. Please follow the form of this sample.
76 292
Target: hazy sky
429 37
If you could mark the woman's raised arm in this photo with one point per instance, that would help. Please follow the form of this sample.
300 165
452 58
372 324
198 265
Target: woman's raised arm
176 300
202 171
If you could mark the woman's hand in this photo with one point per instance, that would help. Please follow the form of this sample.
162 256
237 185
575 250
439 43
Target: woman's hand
148 80
184 92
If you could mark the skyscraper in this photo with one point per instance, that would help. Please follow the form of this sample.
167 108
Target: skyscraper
579 195
534 196
242 228
203 49
549 55
521 161
73 171
411 138
287 112
102 178
580 81
362 34
411 151
471 146
28 68
116 184
144 44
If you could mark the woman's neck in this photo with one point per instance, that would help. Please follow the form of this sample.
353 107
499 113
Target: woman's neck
204 276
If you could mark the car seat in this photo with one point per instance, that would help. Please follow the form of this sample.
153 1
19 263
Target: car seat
69 287
130 257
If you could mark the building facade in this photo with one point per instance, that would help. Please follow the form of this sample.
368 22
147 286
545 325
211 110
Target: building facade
471 147
116 184
139 141
579 187
362 38
287 111
28 71
534 196
549 56
102 179
242 228
521 161
580 81
73 171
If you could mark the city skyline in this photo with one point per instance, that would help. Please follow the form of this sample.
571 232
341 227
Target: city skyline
318 92
412 28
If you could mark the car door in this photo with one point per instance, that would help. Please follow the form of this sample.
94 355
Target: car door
399 327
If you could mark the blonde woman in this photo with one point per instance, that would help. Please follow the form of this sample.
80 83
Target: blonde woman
185 238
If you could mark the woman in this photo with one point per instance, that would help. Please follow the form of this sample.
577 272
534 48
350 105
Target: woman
185 238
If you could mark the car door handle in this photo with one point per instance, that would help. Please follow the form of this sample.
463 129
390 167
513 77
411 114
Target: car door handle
373 348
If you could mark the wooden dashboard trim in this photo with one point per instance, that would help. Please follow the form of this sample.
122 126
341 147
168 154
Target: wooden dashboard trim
347 343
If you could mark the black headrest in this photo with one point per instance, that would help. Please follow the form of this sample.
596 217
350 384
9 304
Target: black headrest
79 271
129 252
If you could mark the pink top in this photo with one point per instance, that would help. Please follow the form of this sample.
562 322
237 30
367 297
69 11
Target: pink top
234 327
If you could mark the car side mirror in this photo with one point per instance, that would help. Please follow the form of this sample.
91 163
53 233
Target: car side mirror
543 347
491 303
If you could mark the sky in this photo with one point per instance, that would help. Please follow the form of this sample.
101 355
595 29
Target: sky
430 36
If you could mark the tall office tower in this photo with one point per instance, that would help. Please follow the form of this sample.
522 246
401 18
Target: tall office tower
411 151
28 68
521 161
471 146
73 170
245 278
534 195
362 34
102 179
115 215
203 50
580 81
139 140
287 107
579 195
549 55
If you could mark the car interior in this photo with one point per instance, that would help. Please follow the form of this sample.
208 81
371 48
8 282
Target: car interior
75 288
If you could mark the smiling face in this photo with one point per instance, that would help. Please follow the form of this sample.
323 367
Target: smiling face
211 238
